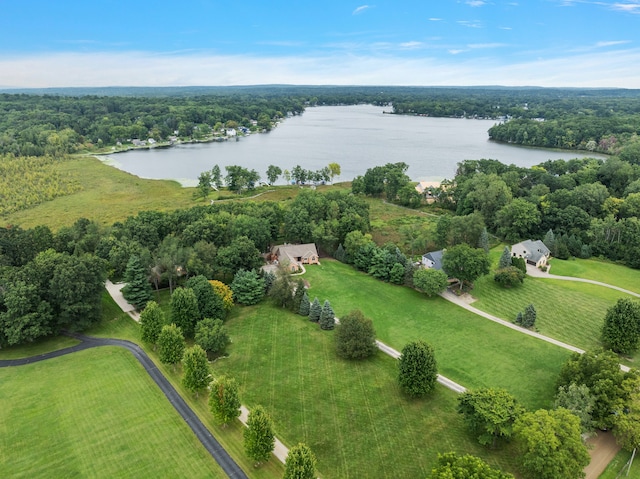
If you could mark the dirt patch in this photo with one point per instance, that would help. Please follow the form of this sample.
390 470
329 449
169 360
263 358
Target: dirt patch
603 449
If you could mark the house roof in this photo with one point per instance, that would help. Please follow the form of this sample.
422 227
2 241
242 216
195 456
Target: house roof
435 257
293 251
422 186
534 250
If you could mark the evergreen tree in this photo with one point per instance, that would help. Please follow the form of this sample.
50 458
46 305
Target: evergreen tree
340 254
519 263
315 310
196 369
549 240
224 402
138 289
529 316
171 344
505 258
519 318
417 369
327 317
305 306
184 310
247 287
483 241
211 335
259 439
300 463
152 319
298 295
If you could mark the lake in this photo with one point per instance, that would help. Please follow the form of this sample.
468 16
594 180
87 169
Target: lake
355 137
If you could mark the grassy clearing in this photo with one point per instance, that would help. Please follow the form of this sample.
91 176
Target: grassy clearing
616 465
599 270
93 414
351 414
569 311
41 346
470 350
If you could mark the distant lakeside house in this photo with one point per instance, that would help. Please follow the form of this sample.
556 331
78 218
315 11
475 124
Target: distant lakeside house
428 189
533 252
295 255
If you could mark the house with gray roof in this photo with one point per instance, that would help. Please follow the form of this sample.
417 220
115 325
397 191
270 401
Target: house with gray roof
433 259
533 252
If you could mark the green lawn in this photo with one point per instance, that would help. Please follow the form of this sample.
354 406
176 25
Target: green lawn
95 413
572 312
351 414
42 345
598 270
616 465
470 350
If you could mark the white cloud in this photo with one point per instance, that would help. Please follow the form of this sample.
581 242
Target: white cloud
360 9
434 19
600 68
411 45
475 3
627 7
611 43
456 52
505 28
470 23
486 45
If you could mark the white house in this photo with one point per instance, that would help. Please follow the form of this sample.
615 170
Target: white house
433 259
534 252
428 190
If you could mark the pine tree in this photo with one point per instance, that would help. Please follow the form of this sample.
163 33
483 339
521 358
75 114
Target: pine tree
138 289
152 319
549 240
315 310
298 296
327 317
196 369
259 439
529 316
224 402
248 287
483 241
505 258
340 254
300 463
305 306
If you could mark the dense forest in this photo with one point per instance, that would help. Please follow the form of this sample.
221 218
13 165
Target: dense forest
61 121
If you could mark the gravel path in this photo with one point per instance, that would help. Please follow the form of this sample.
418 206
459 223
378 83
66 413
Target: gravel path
210 443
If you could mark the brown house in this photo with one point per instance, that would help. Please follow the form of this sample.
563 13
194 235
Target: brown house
295 254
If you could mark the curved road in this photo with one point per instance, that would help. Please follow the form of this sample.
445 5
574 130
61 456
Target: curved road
202 433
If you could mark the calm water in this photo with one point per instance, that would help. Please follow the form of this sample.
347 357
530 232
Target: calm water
356 137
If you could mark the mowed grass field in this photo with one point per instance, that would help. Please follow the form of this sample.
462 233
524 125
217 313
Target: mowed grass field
351 413
598 270
471 350
95 413
572 312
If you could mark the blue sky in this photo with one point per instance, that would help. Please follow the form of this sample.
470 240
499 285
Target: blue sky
45 43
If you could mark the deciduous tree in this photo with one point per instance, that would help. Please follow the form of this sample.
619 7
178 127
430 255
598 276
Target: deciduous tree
300 463
210 305
224 402
259 439
152 319
465 263
549 445
184 310
621 330
452 466
579 400
430 281
196 369
490 413
211 335
171 344
355 336
417 369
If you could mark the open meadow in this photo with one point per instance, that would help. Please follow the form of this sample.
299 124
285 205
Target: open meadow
471 350
598 270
